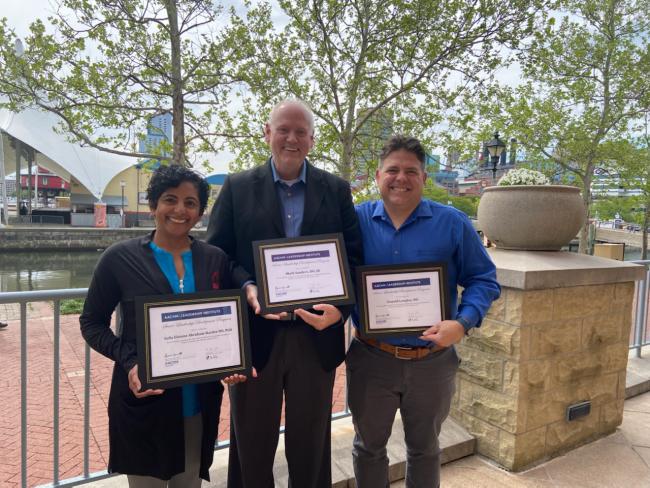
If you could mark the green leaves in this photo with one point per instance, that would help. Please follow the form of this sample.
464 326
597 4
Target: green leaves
358 62
108 67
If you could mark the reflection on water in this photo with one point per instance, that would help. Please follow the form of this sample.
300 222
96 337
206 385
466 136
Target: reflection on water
24 271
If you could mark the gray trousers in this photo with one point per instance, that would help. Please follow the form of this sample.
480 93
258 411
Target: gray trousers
379 384
294 372
190 477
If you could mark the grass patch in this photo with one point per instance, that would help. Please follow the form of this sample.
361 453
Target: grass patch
72 306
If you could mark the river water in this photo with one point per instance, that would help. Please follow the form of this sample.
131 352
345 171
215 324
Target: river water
24 271
53 270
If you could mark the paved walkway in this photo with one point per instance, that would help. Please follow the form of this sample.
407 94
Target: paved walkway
40 398
621 460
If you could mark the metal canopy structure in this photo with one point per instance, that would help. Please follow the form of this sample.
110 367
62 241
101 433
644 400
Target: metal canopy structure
92 168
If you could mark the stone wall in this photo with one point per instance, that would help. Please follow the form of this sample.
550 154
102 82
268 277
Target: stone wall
541 350
67 239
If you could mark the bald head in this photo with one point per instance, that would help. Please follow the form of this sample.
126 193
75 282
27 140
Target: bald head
290 135
293 103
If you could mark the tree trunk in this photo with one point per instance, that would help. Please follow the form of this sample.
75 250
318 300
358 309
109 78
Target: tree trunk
583 247
345 165
176 77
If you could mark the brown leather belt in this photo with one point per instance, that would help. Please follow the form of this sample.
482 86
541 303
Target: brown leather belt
406 353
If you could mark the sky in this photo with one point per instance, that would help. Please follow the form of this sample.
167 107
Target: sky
22 13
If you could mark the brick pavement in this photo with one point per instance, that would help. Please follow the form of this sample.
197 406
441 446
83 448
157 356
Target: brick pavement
40 399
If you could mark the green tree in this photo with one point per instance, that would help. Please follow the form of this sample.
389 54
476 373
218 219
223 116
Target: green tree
358 60
586 81
634 171
109 66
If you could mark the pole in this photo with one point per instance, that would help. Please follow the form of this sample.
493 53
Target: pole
122 186
29 182
5 206
137 196
36 183
19 193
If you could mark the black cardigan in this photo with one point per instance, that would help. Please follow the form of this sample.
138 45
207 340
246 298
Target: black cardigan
146 435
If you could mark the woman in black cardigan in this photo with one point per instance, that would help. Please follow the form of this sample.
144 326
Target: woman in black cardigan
159 438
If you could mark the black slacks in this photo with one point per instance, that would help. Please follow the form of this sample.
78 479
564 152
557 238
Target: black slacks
295 373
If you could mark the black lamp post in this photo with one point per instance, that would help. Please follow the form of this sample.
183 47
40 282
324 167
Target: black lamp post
122 185
495 147
137 213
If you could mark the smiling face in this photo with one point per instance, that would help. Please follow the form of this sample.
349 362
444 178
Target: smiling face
290 135
177 210
400 180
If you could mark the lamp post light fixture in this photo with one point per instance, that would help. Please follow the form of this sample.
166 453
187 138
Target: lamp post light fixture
122 186
495 147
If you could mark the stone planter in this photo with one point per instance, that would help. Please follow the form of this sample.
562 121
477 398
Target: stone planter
533 218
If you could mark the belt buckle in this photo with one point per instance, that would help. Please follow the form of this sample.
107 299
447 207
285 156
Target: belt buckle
397 352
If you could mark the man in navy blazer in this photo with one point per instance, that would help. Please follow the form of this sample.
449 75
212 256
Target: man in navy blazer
295 354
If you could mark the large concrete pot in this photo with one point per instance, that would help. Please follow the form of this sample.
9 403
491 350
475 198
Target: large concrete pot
532 218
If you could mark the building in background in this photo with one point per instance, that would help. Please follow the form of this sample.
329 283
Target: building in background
370 139
158 138
45 184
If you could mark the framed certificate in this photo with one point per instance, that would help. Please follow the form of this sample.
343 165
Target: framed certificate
301 272
191 338
402 299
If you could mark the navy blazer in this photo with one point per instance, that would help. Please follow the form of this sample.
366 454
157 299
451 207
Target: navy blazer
247 210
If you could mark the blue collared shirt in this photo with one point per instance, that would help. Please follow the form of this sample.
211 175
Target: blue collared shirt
434 233
292 200
191 402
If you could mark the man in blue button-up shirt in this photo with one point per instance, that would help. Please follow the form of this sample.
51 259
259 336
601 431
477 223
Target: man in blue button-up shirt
414 374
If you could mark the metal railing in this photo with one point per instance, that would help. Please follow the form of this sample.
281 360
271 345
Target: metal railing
37 220
640 335
56 296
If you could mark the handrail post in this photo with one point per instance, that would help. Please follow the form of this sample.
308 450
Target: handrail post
23 394
642 311
87 411
55 394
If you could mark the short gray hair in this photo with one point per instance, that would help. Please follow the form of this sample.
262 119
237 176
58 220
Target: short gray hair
294 101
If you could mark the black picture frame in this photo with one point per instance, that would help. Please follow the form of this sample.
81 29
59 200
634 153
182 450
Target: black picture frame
437 270
347 297
146 304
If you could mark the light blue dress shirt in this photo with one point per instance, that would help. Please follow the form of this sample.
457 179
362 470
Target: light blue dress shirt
191 402
292 200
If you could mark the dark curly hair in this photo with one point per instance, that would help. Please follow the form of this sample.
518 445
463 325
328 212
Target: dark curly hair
171 177
399 141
